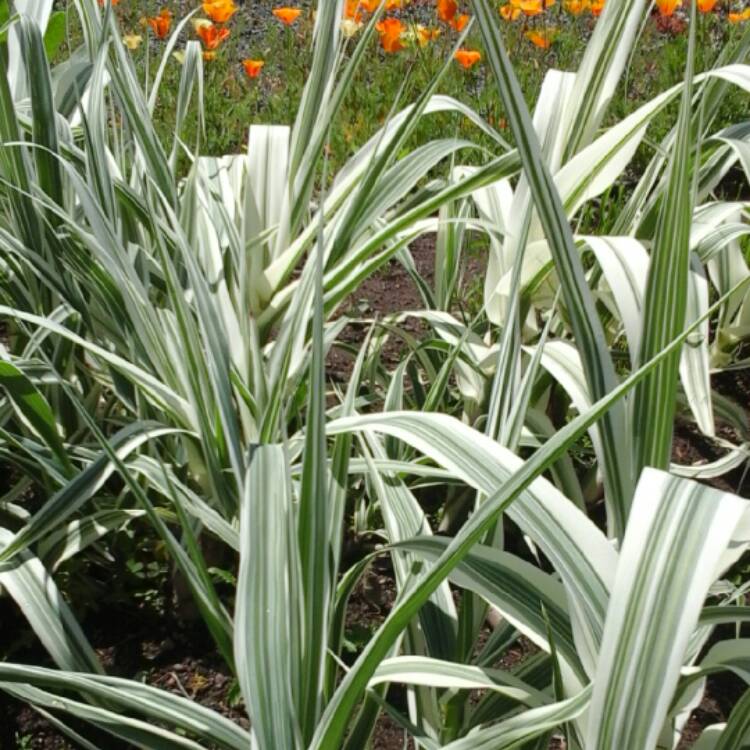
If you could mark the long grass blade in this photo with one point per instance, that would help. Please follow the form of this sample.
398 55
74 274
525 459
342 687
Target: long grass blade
666 298
587 328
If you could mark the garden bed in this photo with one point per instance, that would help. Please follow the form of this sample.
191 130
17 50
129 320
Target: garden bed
231 500
151 645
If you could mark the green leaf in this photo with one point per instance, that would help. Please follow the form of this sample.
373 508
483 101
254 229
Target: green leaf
525 596
44 127
82 486
736 733
34 411
585 559
4 18
70 539
54 36
666 297
151 386
587 328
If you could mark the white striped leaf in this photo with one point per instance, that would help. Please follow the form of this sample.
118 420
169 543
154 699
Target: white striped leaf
676 535
531 600
83 486
585 561
39 12
624 263
604 60
420 670
48 614
585 323
524 727
266 613
335 719
665 298
131 695
135 732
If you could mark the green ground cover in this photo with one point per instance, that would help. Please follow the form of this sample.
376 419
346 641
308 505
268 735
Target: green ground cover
233 101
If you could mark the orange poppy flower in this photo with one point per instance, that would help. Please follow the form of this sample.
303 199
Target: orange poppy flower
219 11
530 7
459 21
390 30
576 7
114 2
740 17
286 15
446 9
667 7
543 38
372 5
597 6
509 12
351 10
467 58
161 24
253 67
211 36
706 6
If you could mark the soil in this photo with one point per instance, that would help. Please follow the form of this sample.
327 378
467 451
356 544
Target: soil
722 693
391 291
183 662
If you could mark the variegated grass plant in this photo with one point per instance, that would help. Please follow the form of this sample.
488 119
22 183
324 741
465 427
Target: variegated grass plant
171 327
674 244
